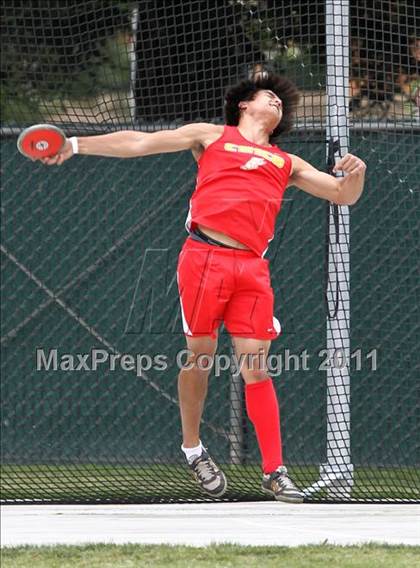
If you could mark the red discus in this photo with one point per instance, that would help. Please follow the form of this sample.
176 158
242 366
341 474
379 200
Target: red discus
41 141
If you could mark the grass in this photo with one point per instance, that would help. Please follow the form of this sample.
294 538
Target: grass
158 483
215 556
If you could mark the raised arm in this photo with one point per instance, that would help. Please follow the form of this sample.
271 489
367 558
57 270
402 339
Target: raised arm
342 191
133 144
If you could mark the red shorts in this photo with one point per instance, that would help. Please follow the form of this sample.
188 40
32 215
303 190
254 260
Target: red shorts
221 284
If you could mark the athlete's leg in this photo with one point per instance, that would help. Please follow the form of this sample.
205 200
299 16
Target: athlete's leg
204 282
252 355
263 411
261 399
200 282
192 388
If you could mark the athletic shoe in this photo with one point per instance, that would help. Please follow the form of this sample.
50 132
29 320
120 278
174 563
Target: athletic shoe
279 484
208 476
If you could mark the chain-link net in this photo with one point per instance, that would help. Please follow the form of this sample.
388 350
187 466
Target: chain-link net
89 251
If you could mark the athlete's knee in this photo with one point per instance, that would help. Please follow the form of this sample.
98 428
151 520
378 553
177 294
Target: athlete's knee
200 361
199 355
250 375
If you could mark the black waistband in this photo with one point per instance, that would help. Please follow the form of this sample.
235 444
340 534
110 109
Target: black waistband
201 237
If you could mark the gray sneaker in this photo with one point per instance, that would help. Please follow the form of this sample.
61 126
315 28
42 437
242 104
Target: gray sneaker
208 476
279 484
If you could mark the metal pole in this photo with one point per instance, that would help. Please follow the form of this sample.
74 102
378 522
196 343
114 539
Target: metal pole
236 434
336 475
132 55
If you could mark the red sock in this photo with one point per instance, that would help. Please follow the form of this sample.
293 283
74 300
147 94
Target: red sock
263 411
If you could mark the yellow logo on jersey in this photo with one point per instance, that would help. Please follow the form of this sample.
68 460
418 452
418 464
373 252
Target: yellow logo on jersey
269 156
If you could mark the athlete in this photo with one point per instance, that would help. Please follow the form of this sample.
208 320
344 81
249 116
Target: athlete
222 273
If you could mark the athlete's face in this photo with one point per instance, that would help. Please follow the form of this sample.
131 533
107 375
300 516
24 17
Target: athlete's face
268 104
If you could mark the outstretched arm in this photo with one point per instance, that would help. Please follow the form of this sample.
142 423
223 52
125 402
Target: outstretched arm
342 191
132 144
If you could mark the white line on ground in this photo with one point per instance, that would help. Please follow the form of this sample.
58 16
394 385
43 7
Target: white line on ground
202 524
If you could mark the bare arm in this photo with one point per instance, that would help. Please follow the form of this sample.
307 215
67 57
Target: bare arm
133 144
342 191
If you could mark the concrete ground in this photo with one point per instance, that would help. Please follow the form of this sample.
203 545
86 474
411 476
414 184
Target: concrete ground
196 524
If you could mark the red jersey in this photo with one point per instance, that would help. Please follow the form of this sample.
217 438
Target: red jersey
240 187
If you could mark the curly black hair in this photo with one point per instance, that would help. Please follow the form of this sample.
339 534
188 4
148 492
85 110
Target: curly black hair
246 90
